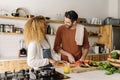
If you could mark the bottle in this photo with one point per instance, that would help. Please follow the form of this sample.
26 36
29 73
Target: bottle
52 31
48 29
22 51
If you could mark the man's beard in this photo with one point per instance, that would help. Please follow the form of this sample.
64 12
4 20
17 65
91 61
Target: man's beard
70 26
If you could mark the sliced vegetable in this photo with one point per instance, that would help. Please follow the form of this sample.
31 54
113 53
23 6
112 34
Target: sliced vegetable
78 63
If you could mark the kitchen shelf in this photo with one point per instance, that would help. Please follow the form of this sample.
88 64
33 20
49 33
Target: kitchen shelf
49 21
24 18
50 34
96 25
12 17
11 33
55 21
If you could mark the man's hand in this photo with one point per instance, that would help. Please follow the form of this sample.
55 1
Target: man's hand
71 58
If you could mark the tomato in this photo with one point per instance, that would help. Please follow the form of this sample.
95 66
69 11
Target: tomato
78 63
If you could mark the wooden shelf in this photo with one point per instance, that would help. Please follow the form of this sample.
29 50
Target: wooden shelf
96 25
11 33
12 17
23 18
54 21
93 35
50 34
49 21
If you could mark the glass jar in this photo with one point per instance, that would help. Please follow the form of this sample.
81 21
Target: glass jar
1 27
66 68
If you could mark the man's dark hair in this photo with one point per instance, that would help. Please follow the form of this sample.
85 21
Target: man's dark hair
72 15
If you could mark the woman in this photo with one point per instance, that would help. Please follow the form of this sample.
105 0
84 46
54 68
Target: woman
38 53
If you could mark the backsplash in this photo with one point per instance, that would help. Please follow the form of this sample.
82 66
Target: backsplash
9 44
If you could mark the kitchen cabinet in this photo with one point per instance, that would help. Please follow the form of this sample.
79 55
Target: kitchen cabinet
105 34
109 35
13 65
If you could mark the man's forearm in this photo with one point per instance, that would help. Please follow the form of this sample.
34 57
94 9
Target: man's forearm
70 57
85 52
63 52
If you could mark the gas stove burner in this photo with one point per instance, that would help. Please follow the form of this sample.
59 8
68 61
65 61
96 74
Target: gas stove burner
47 71
43 73
19 75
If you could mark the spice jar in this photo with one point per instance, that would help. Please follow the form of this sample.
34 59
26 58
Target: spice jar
7 28
1 27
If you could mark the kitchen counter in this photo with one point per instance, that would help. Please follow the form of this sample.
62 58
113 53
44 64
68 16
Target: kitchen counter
91 75
12 58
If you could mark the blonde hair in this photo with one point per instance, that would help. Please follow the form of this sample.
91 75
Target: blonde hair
34 29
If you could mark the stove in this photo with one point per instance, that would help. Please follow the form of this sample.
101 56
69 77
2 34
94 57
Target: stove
43 73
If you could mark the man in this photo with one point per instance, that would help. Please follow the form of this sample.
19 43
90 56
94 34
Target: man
68 37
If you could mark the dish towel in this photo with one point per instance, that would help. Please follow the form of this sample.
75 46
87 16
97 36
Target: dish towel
79 35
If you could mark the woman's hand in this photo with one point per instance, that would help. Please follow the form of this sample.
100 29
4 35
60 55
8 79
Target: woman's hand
52 61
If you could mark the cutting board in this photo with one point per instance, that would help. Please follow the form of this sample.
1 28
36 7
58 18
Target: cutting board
82 69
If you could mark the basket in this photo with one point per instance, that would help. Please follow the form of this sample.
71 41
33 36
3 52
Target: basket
114 62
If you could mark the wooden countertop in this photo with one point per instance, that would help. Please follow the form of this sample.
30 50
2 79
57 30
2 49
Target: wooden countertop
12 58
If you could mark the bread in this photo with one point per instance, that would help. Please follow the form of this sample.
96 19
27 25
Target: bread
114 60
62 64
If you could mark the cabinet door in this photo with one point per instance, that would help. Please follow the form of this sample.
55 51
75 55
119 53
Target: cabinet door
106 36
4 66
